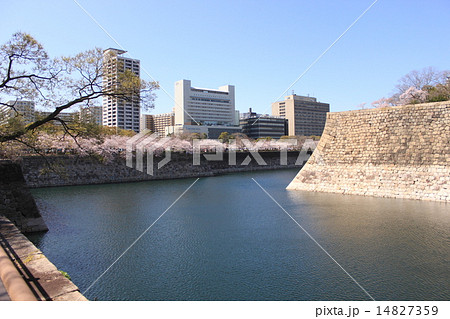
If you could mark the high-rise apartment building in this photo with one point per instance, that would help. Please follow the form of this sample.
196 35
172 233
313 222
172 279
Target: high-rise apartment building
91 114
118 112
67 117
147 123
305 115
199 106
161 121
157 123
21 109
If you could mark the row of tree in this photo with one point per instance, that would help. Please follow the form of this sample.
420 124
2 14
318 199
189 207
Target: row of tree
109 146
419 86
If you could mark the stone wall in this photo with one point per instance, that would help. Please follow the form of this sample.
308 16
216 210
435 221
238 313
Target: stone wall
401 152
42 277
73 170
16 201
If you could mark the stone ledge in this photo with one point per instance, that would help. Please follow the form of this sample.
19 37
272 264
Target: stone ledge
43 277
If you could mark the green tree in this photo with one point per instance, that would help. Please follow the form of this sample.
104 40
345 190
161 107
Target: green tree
196 136
224 137
440 92
239 136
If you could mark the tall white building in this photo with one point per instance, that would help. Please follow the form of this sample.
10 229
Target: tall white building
199 106
21 109
121 113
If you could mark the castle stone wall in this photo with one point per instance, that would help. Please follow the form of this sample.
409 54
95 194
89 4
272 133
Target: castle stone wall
401 152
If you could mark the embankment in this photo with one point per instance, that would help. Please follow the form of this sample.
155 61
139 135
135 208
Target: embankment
35 273
401 152
74 170
16 201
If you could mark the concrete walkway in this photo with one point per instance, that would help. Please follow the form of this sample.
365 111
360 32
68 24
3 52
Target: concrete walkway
27 273
3 293
13 282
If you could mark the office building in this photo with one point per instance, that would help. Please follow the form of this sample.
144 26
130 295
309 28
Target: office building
259 126
305 115
119 112
236 118
201 110
199 106
24 110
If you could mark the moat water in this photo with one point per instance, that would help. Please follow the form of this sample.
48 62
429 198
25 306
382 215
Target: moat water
226 239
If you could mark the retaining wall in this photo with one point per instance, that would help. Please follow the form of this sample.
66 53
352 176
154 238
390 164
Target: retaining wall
16 201
401 152
74 170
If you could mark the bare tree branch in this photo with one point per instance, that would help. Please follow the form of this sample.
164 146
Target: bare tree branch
26 72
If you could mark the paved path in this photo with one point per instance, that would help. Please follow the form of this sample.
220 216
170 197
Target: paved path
3 294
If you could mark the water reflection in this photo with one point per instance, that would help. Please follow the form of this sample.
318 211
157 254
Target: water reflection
227 240
393 244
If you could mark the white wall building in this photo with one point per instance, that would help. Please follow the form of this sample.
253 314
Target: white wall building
21 109
122 113
199 106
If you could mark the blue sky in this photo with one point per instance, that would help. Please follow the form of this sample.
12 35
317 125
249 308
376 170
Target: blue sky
261 47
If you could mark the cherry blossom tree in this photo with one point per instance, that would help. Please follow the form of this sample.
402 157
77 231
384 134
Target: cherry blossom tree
383 102
418 79
361 106
426 79
419 86
413 96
